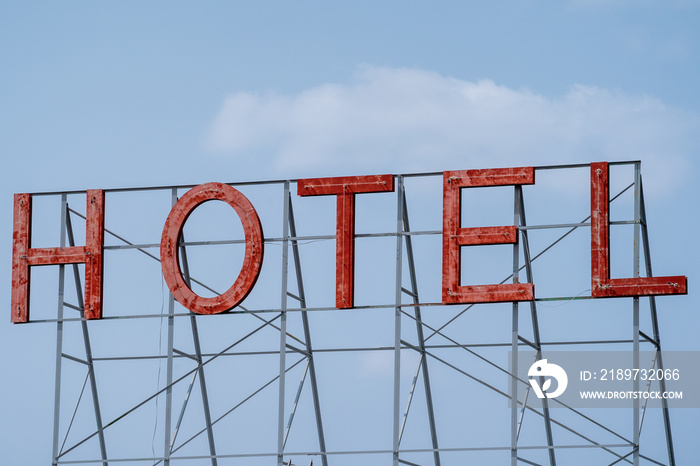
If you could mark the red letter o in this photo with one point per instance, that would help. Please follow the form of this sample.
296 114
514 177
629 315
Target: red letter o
169 251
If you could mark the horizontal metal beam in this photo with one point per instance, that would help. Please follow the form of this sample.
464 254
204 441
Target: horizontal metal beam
293 180
362 452
73 358
376 348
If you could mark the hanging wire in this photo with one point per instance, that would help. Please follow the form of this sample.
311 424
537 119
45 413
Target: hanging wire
160 363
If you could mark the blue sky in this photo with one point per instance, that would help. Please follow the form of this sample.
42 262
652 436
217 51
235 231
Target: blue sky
127 94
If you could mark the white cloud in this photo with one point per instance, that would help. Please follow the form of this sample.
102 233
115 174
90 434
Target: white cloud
405 120
381 363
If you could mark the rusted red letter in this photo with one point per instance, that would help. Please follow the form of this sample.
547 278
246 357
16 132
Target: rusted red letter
252 260
24 256
454 236
345 188
602 286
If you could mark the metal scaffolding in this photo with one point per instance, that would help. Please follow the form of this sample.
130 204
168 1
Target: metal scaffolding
200 431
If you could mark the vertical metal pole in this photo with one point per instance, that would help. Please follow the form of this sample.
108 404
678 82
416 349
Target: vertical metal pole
169 365
59 335
635 312
283 327
419 330
307 335
88 346
397 319
514 346
655 327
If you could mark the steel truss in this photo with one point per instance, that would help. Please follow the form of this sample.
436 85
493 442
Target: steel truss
298 351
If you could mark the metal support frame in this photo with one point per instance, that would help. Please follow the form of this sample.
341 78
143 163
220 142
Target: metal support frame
535 324
169 366
288 352
635 313
515 339
59 335
397 323
655 324
307 333
423 364
88 346
283 327
200 373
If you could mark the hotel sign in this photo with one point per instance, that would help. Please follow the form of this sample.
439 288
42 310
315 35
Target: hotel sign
454 236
